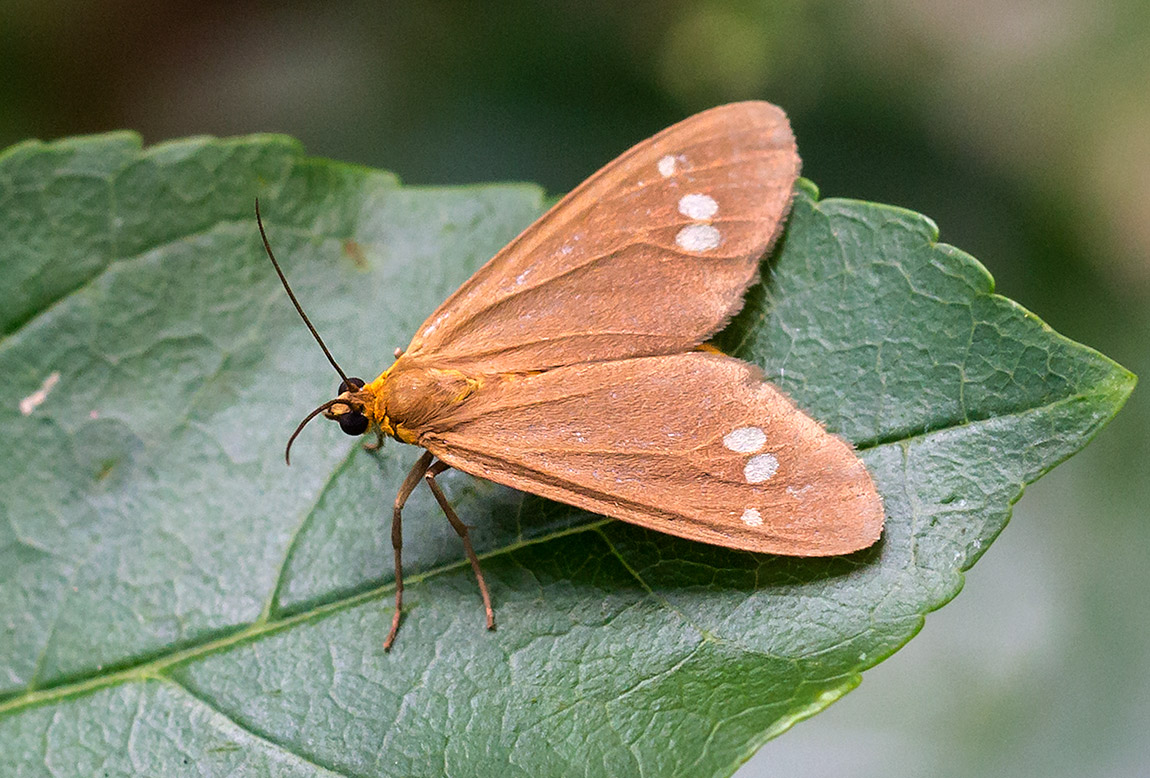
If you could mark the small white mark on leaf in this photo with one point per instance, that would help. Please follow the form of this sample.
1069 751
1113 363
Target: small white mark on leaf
667 166
34 400
698 237
760 467
94 415
745 440
698 206
752 518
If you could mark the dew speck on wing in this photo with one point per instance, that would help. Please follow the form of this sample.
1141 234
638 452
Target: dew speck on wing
698 238
698 206
760 468
745 440
752 518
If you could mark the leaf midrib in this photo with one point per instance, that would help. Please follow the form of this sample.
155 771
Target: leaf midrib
155 666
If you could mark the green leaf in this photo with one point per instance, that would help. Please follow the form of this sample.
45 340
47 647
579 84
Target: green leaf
175 601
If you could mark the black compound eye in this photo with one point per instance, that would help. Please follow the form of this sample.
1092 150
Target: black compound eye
353 423
357 383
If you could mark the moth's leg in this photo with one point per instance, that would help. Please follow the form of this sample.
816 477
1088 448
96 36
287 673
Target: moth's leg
461 529
405 490
378 444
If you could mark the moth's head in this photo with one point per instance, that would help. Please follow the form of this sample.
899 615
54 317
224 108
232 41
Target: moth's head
348 407
353 408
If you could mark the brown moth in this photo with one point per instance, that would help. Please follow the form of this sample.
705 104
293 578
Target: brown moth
570 365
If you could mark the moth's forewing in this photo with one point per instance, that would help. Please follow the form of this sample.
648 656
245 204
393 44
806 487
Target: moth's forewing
694 445
651 255
575 342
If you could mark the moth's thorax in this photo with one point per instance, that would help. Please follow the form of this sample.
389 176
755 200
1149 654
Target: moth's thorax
406 397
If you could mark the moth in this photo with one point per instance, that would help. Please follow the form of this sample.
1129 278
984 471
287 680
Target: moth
573 364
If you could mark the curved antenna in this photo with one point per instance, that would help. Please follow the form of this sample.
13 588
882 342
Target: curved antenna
295 302
302 424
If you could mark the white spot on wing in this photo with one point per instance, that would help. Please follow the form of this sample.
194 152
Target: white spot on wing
760 467
34 400
698 237
752 518
745 440
431 327
667 166
698 206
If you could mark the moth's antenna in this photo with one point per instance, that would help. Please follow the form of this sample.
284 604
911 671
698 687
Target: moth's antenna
298 307
302 424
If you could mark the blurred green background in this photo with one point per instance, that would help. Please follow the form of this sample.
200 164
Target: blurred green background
1021 128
